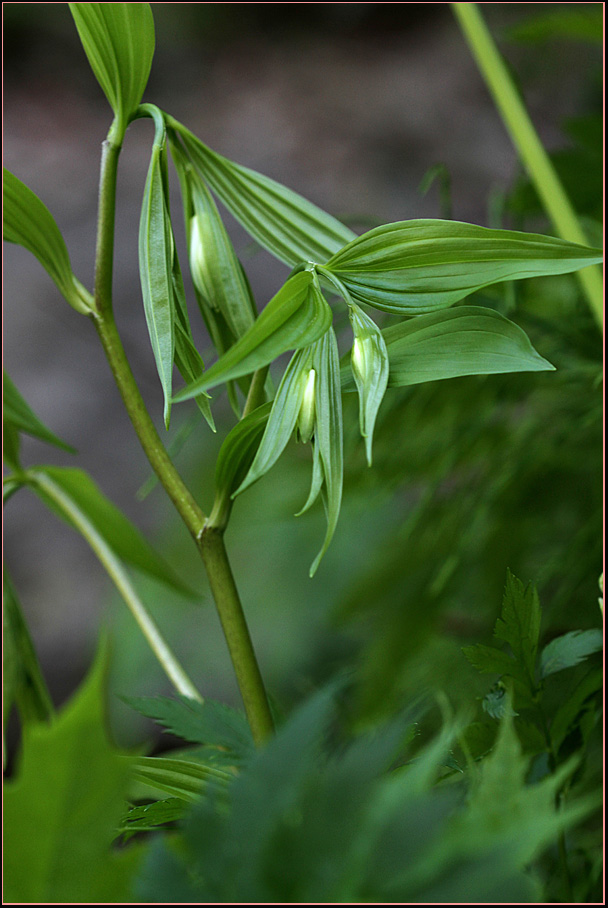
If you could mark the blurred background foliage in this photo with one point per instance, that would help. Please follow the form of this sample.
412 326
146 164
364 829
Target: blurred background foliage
470 476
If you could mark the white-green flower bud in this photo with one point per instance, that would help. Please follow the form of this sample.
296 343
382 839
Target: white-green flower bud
362 358
306 416
198 265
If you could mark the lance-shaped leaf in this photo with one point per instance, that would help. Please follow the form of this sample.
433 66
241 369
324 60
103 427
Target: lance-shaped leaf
180 778
569 649
370 366
328 431
18 415
215 268
283 418
119 533
235 458
283 222
24 683
118 39
469 340
294 318
413 267
156 250
29 223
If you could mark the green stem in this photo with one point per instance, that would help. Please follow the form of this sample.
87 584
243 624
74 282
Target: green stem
104 252
149 438
237 634
528 145
159 647
256 396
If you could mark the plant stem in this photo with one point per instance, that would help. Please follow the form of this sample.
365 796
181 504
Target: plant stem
528 145
256 396
111 563
237 634
154 449
209 540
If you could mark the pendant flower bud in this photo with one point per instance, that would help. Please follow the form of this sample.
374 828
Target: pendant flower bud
306 416
370 366
198 265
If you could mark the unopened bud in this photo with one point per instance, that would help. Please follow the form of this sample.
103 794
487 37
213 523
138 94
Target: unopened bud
198 267
361 357
306 417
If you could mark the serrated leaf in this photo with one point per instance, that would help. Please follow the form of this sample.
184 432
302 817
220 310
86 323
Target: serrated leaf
489 660
283 222
295 317
17 414
497 703
118 39
179 778
469 340
414 267
117 530
63 805
519 622
370 368
328 431
281 420
200 723
29 223
24 682
569 650
156 251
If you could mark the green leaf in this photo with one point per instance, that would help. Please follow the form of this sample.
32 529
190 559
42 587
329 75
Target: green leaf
413 267
29 223
63 805
569 713
370 368
283 222
150 816
468 340
296 316
156 250
282 419
328 431
584 24
237 454
180 778
519 622
569 650
119 533
24 683
200 723
489 660
118 39
215 268
18 415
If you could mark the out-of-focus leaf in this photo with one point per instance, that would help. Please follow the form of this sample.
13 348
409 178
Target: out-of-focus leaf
24 683
179 778
370 368
63 805
28 222
583 24
413 267
118 39
200 723
296 316
283 222
150 816
156 249
580 700
489 660
18 415
519 622
569 650
119 533
328 431
282 419
469 340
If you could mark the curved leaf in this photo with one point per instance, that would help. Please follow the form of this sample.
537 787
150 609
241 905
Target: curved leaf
370 368
469 340
118 39
282 221
413 267
18 415
237 453
569 649
294 318
29 223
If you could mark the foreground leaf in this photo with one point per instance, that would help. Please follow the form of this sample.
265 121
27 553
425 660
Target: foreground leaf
283 222
63 806
413 267
29 223
296 316
118 39
469 340
17 414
